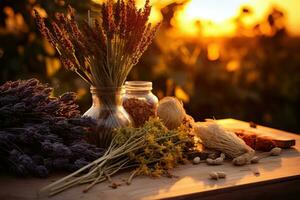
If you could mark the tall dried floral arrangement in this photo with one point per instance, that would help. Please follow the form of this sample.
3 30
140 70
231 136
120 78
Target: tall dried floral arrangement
102 52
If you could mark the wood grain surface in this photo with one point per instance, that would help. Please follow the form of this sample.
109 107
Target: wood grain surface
278 177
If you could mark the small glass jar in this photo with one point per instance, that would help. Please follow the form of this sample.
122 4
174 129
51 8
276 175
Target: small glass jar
109 114
139 101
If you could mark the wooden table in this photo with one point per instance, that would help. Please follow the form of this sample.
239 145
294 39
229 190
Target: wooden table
279 179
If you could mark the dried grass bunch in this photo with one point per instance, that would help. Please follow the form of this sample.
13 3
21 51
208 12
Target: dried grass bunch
214 136
150 150
102 52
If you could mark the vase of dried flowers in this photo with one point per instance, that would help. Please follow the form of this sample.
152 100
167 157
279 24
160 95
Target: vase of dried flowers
102 52
108 110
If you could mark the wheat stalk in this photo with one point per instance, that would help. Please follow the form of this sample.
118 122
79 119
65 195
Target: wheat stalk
102 52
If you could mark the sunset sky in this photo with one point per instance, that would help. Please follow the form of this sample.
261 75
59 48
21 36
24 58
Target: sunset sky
218 14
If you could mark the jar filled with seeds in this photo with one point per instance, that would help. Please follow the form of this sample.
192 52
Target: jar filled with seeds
139 101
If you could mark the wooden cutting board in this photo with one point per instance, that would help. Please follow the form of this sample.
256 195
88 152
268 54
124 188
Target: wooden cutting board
277 136
279 178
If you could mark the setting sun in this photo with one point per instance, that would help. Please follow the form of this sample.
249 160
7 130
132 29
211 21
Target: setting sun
213 10
216 17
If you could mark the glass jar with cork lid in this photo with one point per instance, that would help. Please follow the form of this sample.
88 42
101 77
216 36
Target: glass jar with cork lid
139 101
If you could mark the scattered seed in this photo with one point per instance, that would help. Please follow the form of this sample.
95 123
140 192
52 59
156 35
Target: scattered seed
196 160
222 156
214 176
221 174
275 151
217 175
255 159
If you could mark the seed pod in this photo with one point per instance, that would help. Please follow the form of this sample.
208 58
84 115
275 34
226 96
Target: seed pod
210 161
219 160
196 160
243 159
221 174
239 161
214 175
222 156
255 159
275 151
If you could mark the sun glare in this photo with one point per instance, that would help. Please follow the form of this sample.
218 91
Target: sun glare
214 18
213 10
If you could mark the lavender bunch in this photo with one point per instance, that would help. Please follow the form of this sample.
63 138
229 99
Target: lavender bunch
102 52
40 134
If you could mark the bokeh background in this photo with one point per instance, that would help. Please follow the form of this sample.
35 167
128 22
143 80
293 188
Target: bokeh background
222 58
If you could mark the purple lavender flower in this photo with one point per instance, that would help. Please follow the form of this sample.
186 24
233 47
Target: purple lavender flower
38 132
26 161
61 150
79 163
41 171
47 147
60 163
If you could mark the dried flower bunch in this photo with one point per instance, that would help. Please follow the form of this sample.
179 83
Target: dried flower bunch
216 137
102 52
39 133
150 150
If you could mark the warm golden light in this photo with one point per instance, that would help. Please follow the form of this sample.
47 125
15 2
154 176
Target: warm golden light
181 94
233 65
213 10
213 51
214 17
217 16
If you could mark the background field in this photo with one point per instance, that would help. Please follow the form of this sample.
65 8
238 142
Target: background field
244 65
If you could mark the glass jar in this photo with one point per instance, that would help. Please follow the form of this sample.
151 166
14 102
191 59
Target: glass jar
109 113
139 101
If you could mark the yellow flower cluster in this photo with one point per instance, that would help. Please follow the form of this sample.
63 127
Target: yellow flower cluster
160 149
152 150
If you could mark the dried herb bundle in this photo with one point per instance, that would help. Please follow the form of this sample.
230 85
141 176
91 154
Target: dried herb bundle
102 52
40 134
150 150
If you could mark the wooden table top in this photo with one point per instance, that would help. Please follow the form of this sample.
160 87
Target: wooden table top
192 181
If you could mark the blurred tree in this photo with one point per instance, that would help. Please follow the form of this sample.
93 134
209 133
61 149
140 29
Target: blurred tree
253 76
250 78
25 54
